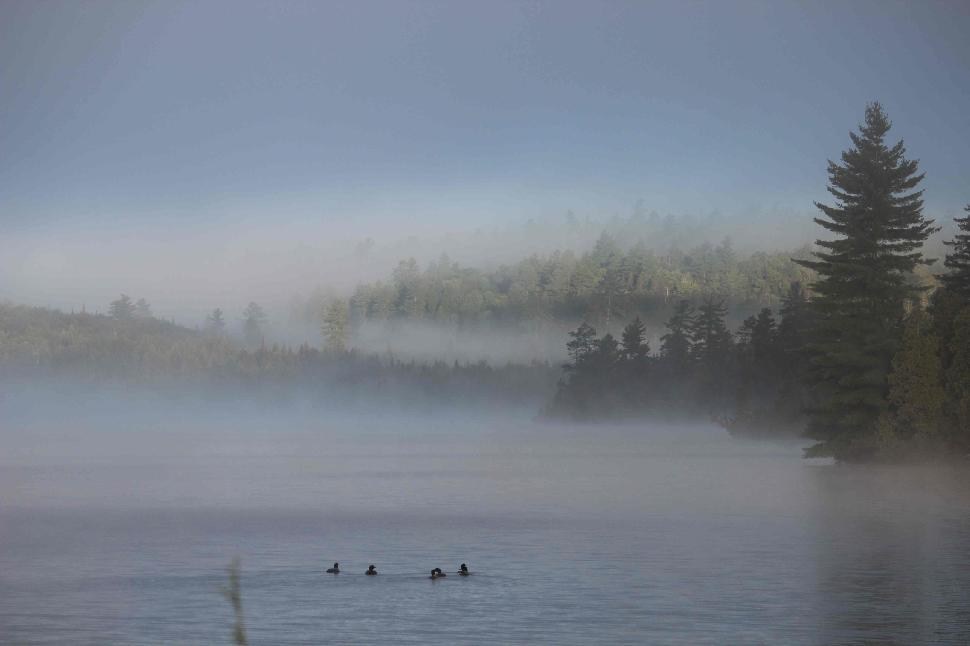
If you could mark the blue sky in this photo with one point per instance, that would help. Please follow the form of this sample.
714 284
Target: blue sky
148 115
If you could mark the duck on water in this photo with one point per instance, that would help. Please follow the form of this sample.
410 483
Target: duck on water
436 573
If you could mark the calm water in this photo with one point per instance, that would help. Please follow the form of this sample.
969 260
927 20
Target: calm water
575 536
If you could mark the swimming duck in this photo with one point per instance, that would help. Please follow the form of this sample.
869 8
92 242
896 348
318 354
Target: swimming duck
437 573
463 570
334 570
370 571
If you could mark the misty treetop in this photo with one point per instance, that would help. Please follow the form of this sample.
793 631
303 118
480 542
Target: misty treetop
864 285
122 309
855 341
607 286
254 323
92 349
335 326
702 371
957 280
215 323
874 372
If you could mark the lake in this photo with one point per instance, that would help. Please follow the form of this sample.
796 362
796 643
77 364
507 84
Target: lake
628 534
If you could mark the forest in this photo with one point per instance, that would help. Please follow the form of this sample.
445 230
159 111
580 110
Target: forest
604 286
858 342
134 349
870 359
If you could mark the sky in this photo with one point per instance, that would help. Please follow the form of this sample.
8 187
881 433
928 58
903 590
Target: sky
178 124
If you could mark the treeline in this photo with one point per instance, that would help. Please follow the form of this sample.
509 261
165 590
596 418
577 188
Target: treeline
39 343
608 284
750 380
875 359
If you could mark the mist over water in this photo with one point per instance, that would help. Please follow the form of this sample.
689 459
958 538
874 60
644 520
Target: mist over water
651 532
313 282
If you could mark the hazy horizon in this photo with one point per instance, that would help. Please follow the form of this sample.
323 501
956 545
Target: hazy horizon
205 155
523 292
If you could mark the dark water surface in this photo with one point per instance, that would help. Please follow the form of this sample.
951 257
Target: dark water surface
662 535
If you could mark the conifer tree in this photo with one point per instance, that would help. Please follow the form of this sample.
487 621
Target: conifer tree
710 338
957 280
675 348
122 309
916 392
215 324
794 321
142 309
745 333
582 345
945 305
634 344
958 380
635 354
600 379
607 352
863 285
587 389
711 345
254 319
792 360
764 336
335 322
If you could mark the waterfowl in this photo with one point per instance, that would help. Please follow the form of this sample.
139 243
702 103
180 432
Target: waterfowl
334 570
437 573
370 571
463 570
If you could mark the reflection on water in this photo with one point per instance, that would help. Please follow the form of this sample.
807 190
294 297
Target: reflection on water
892 557
575 535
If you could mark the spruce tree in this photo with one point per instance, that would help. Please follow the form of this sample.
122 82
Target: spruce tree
635 364
957 280
862 286
606 353
582 345
958 380
744 334
675 348
794 321
335 326
215 323
122 309
254 319
764 338
711 345
143 309
945 305
710 338
916 394
634 344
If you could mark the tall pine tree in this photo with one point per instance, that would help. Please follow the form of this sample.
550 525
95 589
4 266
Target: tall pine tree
863 285
634 343
916 394
582 345
957 280
711 345
675 348
958 380
635 364
122 309
710 338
